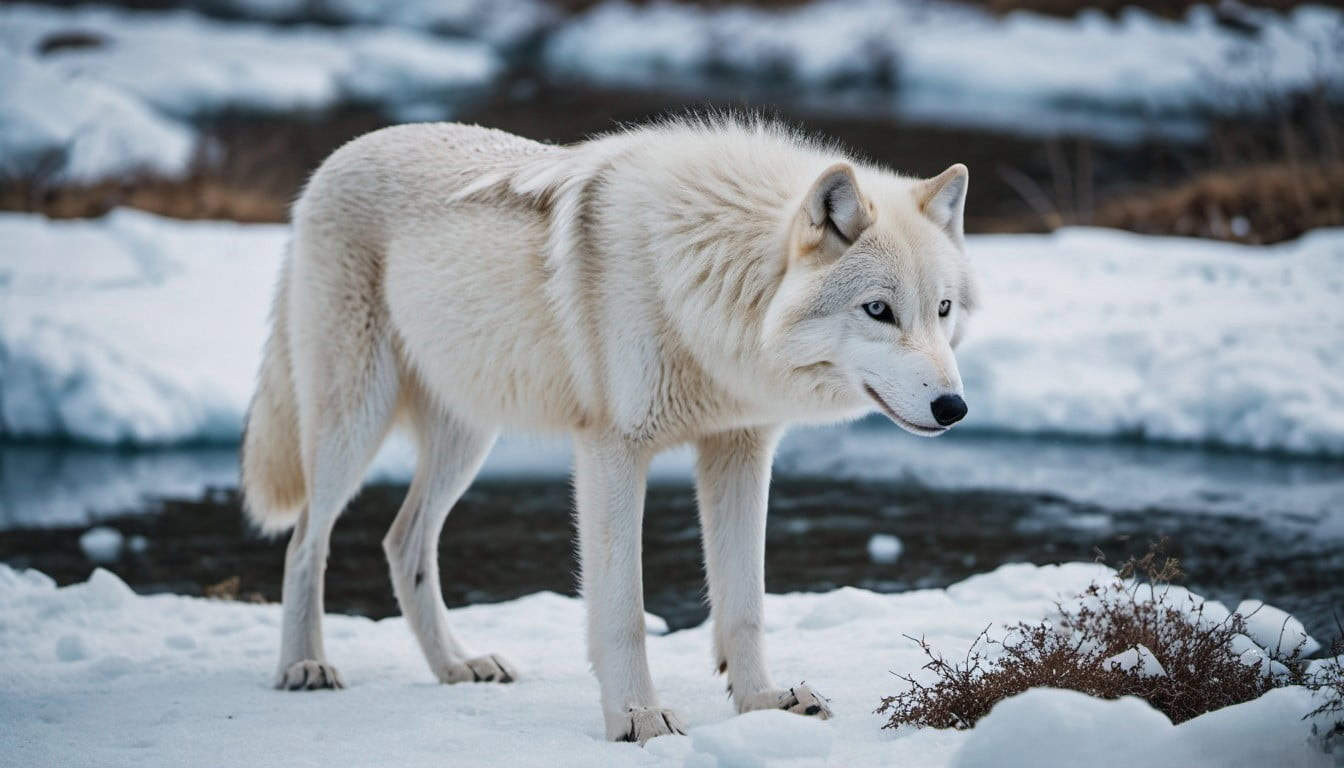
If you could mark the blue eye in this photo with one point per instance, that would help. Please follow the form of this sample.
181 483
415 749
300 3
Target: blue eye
879 311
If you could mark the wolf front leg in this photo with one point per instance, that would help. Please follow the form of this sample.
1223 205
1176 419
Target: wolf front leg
609 492
733 484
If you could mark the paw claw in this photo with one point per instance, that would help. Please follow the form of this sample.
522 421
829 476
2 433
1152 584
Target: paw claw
639 724
309 675
801 699
490 668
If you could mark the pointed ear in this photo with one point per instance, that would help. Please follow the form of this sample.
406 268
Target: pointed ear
836 210
943 199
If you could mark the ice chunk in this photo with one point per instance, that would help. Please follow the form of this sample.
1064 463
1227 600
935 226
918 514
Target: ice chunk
884 548
101 544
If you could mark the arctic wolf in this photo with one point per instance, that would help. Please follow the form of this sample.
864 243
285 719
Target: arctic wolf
696 281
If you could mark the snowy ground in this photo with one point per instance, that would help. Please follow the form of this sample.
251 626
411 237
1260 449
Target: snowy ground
139 330
123 104
955 63
94 675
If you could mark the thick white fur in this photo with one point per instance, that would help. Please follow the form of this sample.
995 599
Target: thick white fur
692 281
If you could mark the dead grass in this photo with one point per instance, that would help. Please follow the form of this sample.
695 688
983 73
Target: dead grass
1260 204
1328 683
200 197
1202 672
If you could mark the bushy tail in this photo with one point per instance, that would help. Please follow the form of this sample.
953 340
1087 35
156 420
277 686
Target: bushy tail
274 490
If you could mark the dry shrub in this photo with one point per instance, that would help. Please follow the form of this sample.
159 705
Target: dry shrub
199 197
1328 683
1203 672
1261 204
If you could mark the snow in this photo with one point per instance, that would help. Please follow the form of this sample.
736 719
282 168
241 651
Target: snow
96 675
139 330
1275 629
123 104
942 61
1046 728
500 22
884 548
101 544
1252 654
1138 657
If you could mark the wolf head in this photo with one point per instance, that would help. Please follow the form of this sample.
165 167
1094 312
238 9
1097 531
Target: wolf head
876 294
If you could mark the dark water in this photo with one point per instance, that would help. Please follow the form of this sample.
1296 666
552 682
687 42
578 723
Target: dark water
509 538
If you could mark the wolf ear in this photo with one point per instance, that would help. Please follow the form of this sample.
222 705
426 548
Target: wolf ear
943 199
836 210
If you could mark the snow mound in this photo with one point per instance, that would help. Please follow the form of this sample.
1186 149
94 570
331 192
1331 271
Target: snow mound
135 329
117 102
1138 657
948 62
1049 728
159 677
1276 631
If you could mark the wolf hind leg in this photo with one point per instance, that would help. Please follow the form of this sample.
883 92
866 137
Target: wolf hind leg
346 381
450 452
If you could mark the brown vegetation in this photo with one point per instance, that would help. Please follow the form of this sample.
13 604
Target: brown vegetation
1202 672
1260 204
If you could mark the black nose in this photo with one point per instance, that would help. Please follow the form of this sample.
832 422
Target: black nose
948 409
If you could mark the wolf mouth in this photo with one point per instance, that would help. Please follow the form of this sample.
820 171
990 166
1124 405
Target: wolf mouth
903 423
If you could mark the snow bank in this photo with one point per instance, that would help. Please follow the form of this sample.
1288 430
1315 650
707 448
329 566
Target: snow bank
81 129
501 22
95 675
1047 728
948 62
1097 332
117 102
134 329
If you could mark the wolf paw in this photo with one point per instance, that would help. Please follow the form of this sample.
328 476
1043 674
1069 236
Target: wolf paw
800 700
490 668
639 724
309 675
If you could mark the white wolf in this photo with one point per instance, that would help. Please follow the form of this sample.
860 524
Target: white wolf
697 281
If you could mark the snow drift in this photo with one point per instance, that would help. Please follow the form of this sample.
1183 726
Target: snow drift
95 675
139 330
